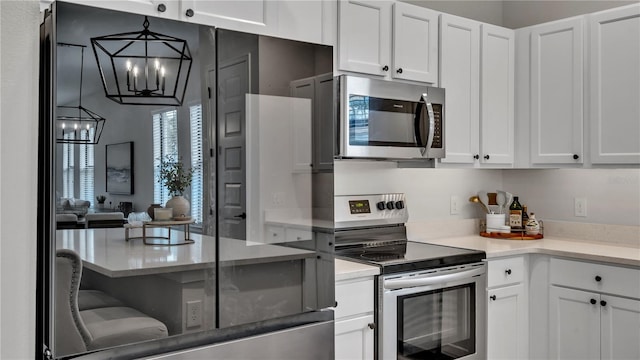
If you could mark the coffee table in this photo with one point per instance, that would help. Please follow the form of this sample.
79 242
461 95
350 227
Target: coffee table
161 224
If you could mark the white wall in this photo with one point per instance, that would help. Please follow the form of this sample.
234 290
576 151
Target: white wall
480 10
18 154
428 191
613 195
517 14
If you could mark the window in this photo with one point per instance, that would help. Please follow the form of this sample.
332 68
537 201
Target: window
77 169
68 167
86 168
165 143
195 115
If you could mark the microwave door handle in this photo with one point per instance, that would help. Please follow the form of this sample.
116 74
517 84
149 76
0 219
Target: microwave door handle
417 123
432 127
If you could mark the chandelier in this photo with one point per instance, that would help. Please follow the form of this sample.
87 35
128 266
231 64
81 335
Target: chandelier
144 67
77 124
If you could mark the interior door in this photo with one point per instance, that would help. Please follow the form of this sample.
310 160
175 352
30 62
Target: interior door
233 85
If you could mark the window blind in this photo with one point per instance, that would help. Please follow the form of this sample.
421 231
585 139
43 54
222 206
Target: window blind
68 168
87 168
165 143
197 162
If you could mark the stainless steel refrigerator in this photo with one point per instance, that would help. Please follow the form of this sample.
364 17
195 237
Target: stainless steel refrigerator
251 119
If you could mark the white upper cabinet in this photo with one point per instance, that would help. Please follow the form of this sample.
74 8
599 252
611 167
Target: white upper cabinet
415 43
556 109
365 40
364 36
497 95
309 20
460 76
615 86
258 16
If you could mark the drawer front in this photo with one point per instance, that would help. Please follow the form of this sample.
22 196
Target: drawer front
505 271
294 234
274 234
354 297
601 278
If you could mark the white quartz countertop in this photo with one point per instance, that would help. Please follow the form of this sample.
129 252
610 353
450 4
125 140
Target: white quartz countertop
579 249
346 270
107 252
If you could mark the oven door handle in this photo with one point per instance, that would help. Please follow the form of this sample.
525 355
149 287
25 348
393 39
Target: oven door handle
394 284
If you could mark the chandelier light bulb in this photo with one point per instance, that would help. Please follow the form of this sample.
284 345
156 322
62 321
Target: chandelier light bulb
128 65
63 126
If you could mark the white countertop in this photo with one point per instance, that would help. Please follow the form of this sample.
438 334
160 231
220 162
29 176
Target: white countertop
578 249
594 251
107 252
346 270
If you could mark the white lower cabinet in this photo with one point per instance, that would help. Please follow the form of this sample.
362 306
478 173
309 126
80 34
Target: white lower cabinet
506 323
354 338
600 319
354 324
507 309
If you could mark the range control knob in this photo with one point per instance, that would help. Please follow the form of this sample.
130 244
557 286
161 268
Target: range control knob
399 204
390 205
380 205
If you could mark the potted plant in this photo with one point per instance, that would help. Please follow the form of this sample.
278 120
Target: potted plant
101 199
176 178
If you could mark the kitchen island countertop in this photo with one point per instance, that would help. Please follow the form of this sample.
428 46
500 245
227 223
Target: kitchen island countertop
346 270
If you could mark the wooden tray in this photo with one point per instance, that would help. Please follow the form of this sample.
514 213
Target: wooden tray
511 236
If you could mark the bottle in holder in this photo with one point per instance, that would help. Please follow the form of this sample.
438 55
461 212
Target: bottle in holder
515 215
532 226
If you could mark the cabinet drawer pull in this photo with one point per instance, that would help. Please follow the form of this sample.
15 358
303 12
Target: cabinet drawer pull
508 271
593 301
189 12
399 71
385 68
162 7
487 157
476 156
492 297
598 278
603 303
576 156
371 326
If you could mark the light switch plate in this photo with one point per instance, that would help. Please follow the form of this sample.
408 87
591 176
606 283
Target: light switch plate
454 205
580 207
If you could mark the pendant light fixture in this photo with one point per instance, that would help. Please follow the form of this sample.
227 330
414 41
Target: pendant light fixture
77 124
144 67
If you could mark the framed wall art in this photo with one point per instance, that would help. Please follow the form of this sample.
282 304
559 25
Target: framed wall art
119 168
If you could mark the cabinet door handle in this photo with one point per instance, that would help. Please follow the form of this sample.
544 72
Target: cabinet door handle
399 71
598 278
162 7
189 12
487 156
385 68
576 156
508 271
603 303
476 156
371 326
492 297
593 301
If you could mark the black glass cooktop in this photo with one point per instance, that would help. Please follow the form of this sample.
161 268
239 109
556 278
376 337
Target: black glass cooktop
410 256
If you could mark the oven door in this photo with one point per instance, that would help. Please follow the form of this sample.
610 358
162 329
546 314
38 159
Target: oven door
437 314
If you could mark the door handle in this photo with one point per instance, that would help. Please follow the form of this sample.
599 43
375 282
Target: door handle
242 216
416 124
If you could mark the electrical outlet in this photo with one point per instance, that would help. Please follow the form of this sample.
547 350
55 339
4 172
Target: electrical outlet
580 207
194 313
455 203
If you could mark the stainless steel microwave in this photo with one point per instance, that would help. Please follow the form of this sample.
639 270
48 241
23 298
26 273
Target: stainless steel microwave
390 120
